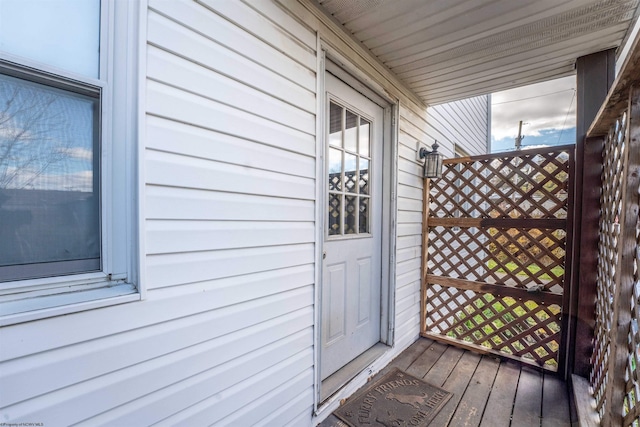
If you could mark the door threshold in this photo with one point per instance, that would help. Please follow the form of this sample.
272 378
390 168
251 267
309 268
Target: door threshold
342 376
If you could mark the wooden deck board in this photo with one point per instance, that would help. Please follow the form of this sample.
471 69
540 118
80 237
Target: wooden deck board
555 402
407 357
527 408
471 407
499 407
456 383
441 370
426 360
487 392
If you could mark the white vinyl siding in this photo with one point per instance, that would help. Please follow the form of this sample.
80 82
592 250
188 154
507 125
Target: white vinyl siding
413 127
230 165
464 123
225 334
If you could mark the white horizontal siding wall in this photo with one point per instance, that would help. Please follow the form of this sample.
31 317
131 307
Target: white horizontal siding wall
230 166
413 127
225 334
465 123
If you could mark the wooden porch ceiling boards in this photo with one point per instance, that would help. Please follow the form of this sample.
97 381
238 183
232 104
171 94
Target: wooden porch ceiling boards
452 49
488 392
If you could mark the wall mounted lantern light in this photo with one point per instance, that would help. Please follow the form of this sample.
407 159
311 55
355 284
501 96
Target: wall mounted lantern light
432 161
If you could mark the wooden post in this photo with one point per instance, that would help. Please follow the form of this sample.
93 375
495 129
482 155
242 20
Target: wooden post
619 352
425 255
595 74
585 251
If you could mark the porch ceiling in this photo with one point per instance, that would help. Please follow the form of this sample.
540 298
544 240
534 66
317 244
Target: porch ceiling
452 49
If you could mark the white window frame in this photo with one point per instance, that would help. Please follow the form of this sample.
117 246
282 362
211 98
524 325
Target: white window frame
122 32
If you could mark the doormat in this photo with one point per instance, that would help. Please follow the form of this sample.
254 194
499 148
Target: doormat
397 399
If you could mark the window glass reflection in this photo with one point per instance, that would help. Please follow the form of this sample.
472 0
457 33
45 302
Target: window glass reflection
335 125
348 166
350 178
335 214
363 183
364 139
350 215
351 132
61 33
364 215
335 169
49 208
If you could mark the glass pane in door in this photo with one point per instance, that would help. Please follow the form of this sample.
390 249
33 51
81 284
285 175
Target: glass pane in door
348 167
351 132
335 214
335 125
364 138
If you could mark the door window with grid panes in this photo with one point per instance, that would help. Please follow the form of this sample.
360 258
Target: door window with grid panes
349 172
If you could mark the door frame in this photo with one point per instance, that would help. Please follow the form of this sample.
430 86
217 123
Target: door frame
329 59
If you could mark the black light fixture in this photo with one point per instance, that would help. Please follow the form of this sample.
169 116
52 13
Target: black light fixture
432 161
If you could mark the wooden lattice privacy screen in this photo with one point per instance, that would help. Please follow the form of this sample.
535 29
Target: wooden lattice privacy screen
496 239
615 361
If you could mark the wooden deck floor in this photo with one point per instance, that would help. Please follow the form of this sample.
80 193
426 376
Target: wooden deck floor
487 392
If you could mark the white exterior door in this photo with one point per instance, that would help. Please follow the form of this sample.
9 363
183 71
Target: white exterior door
353 221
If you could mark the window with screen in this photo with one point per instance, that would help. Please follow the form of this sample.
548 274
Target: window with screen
59 71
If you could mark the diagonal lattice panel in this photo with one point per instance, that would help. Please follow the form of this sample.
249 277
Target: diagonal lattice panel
496 253
618 279
615 361
632 375
608 254
513 186
515 257
526 330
